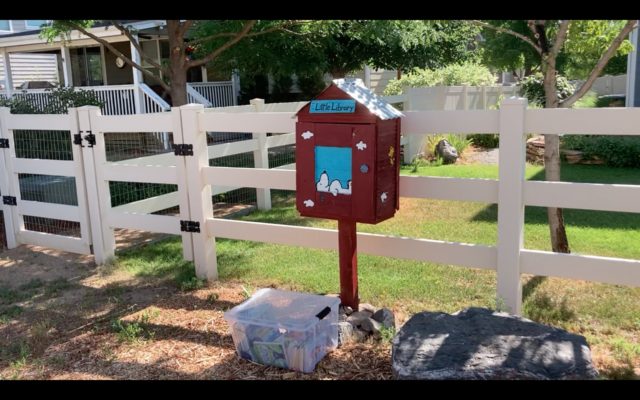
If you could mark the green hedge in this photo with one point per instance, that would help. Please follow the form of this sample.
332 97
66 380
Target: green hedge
615 151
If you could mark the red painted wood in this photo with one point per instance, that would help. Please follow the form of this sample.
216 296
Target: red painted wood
339 206
347 244
398 131
305 166
363 191
333 135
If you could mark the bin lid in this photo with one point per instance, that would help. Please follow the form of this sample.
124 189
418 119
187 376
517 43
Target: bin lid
282 309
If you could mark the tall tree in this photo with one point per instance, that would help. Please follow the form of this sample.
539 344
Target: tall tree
548 38
340 47
179 62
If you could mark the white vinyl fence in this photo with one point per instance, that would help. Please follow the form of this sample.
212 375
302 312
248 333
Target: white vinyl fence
196 181
442 97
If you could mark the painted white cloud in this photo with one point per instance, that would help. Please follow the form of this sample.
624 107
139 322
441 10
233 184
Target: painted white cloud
383 197
308 203
334 188
307 135
361 145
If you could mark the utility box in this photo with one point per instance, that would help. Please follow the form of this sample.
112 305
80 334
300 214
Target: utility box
348 155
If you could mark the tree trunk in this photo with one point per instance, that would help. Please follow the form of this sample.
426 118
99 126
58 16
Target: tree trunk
559 241
177 64
338 73
399 73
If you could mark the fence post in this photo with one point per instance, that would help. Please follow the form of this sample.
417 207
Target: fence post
200 199
261 159
484 97
409 147
183 189
5 183
137 77
98 192
510 207
13 181
81 190
464 95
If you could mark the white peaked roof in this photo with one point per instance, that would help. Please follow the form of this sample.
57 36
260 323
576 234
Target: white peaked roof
356 89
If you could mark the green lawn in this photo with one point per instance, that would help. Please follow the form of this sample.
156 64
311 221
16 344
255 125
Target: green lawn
609 315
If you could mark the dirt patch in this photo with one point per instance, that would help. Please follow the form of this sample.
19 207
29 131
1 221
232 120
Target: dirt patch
479 155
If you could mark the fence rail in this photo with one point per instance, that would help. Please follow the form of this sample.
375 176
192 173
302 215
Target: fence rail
197 182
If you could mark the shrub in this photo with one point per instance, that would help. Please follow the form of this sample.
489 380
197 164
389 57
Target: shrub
532 88
610 102
459 142
485 140
615 151
452 75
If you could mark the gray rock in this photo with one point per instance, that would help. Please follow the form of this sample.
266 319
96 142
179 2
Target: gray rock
342 318
366 307
448 153
348 310
480 344
357 317
360 336
372 326
345 332
385 317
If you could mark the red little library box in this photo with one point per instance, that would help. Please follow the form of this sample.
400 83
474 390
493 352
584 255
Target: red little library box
347 155
348 166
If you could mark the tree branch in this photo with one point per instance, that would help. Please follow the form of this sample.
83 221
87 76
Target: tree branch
561 36
510 32
600 65
184 27
231 34
138 47
119 54
243 33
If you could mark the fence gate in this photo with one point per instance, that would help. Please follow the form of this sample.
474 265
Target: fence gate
43 185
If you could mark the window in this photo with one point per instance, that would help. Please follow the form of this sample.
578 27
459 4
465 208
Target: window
34 23
5 25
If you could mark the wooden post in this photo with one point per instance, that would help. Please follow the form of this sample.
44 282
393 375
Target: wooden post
347 246
8 79
5 183
205 78
409 146
66 66
200 199
261 159
511 210
137 77
367 76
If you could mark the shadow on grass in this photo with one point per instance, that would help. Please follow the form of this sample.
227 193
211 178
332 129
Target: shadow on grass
579 218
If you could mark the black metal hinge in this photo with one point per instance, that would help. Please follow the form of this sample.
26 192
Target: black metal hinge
190 226
4 143
183 149
91 138
77 139
9 200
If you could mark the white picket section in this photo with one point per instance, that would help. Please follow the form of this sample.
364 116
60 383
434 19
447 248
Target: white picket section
197 183
219 94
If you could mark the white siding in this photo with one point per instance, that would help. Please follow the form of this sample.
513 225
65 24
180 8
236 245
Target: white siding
32 67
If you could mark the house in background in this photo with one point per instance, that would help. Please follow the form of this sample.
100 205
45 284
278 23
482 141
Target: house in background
88 64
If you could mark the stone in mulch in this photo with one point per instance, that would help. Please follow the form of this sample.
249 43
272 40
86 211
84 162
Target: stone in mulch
365 323
480 344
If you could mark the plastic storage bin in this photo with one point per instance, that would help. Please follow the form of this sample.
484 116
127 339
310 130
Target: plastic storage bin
285 329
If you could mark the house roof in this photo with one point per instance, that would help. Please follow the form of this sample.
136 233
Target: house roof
96 25
357 90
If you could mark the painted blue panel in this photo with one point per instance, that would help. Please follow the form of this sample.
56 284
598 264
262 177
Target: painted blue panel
336 162
332 106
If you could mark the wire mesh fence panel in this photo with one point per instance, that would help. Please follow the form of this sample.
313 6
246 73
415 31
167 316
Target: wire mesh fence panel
129 192
236 200
45 145
125 146
48 189
278 157
50 225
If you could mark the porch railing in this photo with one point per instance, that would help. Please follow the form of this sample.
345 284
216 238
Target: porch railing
219 94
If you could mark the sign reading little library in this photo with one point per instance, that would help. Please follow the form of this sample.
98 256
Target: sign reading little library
332 106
